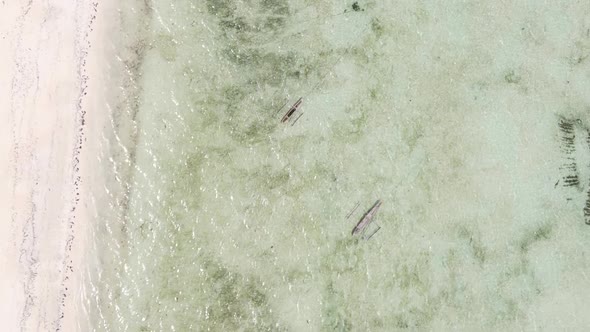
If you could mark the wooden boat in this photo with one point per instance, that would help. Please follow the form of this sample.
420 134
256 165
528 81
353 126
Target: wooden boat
292 110
367 218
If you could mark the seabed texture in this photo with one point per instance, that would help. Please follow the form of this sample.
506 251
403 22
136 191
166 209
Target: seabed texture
469 119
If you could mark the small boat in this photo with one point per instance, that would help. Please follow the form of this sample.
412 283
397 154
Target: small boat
292 110
367 218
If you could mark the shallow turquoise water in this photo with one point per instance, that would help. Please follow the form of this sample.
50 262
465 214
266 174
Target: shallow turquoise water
228 219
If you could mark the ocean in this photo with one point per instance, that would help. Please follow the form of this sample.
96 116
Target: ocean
219 216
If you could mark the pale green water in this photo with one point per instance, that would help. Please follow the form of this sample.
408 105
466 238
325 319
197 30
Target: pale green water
231 220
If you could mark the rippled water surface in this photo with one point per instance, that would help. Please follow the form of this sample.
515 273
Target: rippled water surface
223 218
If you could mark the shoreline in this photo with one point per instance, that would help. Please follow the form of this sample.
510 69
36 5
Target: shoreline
47 158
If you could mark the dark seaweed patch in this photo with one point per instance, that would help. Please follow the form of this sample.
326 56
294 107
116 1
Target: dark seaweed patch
377 27
587 209
567 145
512 77
568 136
567 140
273 23
477 248
238 24
271 18
356 7
221 8
571 180
587 205
271 68
254 132
541 233
336 316
237 302
277 7
225 299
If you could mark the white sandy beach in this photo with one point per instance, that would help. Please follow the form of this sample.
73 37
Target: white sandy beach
51 110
